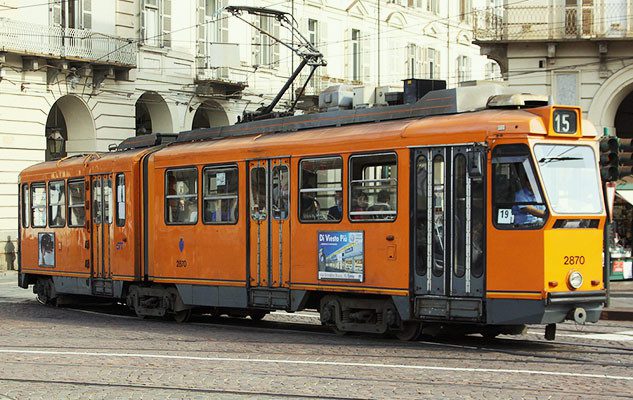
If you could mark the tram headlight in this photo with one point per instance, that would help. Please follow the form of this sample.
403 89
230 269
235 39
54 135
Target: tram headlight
575 279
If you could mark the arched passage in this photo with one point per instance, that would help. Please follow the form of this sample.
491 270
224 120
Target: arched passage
69 128
152 114
209 114
609 99
624 118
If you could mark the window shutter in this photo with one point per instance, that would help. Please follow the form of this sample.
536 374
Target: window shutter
275 47
202 28
347 56
436 65
86 14
166 22
366 58
222 23
255 41
143 19
322 45
55 8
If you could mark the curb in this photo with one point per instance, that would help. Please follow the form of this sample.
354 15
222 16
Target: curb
617 314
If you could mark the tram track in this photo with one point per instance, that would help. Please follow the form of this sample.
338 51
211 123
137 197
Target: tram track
474 343
348 379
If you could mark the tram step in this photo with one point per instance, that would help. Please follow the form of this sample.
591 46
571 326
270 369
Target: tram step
102 287
277 299
449 308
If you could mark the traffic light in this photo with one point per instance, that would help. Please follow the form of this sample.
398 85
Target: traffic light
625 157
609 158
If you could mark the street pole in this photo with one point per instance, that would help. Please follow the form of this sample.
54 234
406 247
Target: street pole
378 19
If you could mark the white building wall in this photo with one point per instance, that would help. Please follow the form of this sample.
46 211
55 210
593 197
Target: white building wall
168 74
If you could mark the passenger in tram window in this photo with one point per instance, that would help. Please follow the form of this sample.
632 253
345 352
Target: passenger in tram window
335 212
173 203
310 208
382 202
524 212
360 202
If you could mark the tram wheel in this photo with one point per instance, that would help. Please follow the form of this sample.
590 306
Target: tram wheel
182 315
339 332
410 331
257 315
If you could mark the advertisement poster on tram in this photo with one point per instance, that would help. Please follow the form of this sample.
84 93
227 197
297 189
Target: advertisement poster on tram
341 255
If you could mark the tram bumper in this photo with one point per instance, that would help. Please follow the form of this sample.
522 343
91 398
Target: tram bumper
577 306
556 308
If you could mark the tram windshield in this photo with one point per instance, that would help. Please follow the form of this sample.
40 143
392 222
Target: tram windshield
570 177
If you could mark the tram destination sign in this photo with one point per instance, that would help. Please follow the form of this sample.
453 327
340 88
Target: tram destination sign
341 255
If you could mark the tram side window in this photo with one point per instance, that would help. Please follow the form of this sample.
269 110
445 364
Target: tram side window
76 204
25 206
181 196
219 202
280 192
38 205
518 203
321 189
57 204
421 215
120 200
108 203
374 187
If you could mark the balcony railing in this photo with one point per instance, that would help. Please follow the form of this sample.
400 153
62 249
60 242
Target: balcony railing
55 41
603 20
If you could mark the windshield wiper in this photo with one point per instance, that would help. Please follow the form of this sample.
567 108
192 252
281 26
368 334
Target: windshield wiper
546 160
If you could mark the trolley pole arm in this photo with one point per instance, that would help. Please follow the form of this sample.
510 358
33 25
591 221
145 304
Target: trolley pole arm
269 108
304 49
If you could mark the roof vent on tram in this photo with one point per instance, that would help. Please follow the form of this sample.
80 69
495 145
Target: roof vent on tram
517 100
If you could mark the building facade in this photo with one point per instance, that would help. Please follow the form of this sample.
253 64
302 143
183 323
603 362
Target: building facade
79 75
576 51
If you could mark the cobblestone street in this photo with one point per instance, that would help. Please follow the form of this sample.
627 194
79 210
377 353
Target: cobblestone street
65 353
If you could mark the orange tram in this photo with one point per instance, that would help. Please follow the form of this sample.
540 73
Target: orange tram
443 214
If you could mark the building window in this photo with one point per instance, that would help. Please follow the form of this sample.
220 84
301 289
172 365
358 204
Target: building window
432 63
493 71
213 24
313 32
181 196
25 206
415 66
156 22
321 189
415 3
463 69
433 6
120 200
373 187
38 205
220 196
57 204
76 204
71 13
356 52
265 49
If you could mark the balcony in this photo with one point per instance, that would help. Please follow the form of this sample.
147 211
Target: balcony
67 43
218 70
605 20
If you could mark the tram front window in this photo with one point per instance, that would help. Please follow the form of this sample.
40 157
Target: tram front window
518 202
570 177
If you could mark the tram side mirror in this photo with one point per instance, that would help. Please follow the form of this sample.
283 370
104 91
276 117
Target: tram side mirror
476 165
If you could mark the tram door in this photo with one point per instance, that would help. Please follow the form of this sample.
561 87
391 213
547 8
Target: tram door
448 221
269 206
102 209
